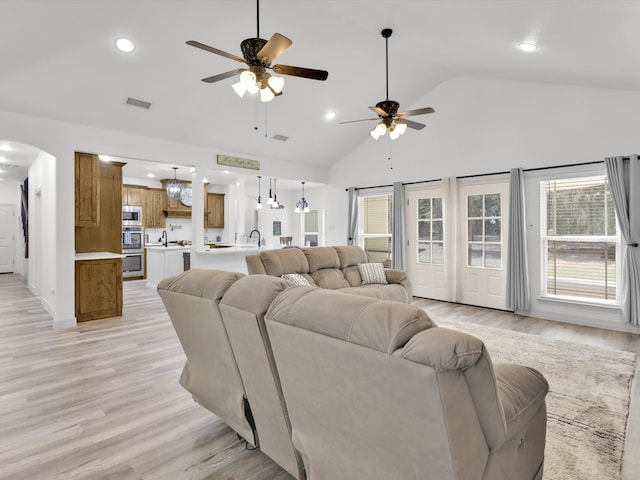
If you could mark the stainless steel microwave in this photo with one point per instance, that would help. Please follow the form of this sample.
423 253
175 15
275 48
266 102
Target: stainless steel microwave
131 215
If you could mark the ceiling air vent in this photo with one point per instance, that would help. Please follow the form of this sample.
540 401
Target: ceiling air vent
282 138
138 103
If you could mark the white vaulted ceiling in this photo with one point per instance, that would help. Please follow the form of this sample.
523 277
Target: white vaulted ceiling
58 61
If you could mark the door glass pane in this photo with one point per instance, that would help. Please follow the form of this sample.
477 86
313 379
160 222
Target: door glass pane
424 208
474 207
424 254
475 255
437 230
438 253
492 230
475 230
493 255
492 205
424 230
437 208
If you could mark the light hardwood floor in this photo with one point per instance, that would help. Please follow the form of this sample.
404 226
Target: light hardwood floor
102 401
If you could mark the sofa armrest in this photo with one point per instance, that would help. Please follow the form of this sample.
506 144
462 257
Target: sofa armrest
395 276
399 277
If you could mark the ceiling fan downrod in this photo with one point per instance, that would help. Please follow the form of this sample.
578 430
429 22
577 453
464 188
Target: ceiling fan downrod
386 33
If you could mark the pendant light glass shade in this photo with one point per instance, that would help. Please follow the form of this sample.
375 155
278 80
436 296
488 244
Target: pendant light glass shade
275 203
174 186
259 205
270 201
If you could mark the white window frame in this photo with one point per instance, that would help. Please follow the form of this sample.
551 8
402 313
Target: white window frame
362 236
319 233
544 247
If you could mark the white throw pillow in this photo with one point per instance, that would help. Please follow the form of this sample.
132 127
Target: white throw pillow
372 273
296 279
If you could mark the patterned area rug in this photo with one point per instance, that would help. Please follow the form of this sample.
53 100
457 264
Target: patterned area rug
587 404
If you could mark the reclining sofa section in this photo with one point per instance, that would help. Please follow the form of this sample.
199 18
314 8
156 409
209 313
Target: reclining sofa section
345 386
333 268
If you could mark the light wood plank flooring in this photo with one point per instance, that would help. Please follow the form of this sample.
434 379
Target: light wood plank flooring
102 401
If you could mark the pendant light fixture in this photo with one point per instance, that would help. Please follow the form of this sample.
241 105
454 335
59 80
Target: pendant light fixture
275 203
259 205
174 186
302 206
270 201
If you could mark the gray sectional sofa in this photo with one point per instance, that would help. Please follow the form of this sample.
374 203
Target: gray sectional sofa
334 268
335 386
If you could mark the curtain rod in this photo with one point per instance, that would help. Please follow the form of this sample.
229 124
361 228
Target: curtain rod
551 167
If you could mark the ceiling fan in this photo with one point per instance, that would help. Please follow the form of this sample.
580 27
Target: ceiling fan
258 54
391 120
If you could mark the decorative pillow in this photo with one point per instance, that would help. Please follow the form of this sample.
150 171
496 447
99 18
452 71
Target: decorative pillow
372 273
296 279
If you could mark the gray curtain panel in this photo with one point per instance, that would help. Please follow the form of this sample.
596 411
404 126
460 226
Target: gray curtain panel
518 295
624 180
399 244
352 227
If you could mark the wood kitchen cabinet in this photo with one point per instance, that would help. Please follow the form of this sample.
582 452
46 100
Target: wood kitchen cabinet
155 205
174 207
98 288
134 195
87 190
214 210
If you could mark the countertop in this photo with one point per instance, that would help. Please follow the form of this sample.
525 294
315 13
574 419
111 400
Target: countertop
246 249
97 256
168 248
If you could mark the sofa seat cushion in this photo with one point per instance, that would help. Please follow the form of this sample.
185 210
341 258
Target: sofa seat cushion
394 292
522 392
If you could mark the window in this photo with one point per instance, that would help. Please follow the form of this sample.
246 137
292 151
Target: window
484 230
580 242
430 231
376 227
312 228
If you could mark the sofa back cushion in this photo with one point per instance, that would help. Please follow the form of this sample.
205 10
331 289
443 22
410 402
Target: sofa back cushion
324 267
380 325
286 260
350 257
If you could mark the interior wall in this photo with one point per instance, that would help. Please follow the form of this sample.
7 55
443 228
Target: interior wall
61 140
488 125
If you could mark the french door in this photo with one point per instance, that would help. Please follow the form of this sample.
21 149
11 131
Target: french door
482 243
428 243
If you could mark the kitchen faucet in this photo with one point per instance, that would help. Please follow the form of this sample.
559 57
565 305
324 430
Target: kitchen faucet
164 238
258 232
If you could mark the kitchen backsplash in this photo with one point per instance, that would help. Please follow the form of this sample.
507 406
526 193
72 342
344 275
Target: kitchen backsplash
181 231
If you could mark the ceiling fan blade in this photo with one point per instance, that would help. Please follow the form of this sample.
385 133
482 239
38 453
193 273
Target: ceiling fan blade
363 120
222 76
418 111
414 125
222 53
379 111
301 72
274 48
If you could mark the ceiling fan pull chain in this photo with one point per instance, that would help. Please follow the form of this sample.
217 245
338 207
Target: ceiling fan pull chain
390 157
265 120
255 115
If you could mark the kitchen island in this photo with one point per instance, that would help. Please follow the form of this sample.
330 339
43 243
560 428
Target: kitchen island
164 262
168 261
231 259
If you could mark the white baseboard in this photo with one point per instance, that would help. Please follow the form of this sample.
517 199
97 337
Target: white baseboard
65 323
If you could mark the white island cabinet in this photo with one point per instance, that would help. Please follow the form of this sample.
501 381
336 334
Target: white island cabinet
164 262
231 259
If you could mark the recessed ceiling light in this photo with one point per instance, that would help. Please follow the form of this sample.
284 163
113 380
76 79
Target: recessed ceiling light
5 147
150 175
104 158
528 47
125 45
330 115
226 171
3 160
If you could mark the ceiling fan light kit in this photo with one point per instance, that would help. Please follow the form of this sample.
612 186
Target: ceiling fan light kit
390 120
258 54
